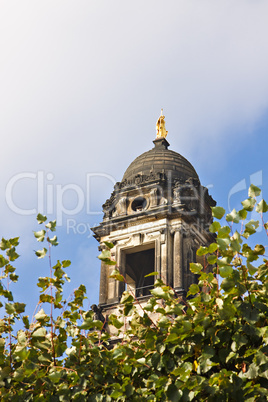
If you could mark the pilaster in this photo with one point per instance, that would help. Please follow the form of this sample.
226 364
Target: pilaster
178 260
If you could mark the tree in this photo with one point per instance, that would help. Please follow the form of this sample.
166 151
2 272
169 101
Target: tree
211 346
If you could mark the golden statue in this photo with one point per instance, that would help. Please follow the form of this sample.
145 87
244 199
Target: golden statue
161 131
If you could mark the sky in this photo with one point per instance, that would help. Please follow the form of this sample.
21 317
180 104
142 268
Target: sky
82 85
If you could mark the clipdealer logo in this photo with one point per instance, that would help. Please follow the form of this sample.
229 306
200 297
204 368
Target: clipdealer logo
49 198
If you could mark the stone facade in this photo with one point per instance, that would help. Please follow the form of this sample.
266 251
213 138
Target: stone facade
156 217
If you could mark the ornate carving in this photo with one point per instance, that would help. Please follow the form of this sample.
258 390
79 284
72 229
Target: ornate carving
141 179
138 179
121 206
186 195
177 196
110 207
163 201
154 197
97 313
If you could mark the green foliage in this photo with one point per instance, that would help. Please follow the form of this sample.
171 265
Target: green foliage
105 255
211 346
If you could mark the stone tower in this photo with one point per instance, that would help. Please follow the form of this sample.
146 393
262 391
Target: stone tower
156 217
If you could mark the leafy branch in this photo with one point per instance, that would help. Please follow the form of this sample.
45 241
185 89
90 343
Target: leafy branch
212 346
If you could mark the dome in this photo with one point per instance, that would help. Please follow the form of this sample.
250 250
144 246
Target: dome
161 160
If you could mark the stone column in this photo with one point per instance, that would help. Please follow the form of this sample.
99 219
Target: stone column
170 258
112 295
164 263
178 261
158 256
121 257
103 284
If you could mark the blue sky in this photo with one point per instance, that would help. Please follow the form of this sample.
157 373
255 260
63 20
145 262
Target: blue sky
82 85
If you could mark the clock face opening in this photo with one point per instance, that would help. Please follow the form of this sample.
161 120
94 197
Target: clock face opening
139 204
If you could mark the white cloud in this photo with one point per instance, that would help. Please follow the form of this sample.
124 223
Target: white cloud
82 84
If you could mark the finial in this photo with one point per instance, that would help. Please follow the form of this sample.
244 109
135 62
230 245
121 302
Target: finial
161 131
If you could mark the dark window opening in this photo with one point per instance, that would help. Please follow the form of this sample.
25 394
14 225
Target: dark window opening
138 265
139 204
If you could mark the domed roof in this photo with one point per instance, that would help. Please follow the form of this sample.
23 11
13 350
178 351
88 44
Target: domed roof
161 160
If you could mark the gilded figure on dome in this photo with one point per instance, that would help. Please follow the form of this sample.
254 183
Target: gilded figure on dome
161 131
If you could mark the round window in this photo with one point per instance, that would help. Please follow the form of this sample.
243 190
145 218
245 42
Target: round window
139 204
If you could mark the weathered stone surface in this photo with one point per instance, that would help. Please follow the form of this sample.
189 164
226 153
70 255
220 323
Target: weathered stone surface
159 213
160 160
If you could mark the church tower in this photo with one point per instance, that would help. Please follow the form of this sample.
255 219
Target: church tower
157 217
